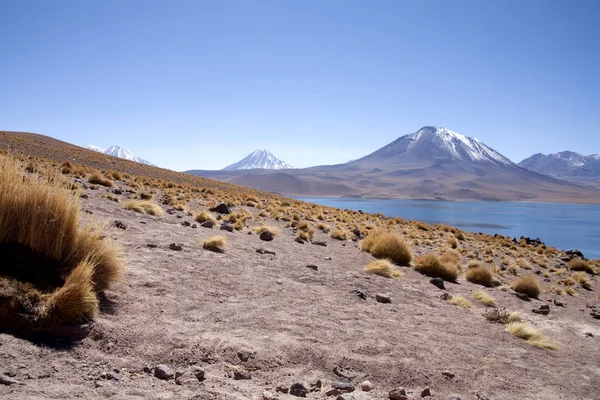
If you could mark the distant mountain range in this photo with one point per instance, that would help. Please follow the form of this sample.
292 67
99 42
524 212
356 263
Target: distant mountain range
259 159
120 152
432 163
566 165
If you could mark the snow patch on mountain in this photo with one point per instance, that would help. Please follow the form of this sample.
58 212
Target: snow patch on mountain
259 159
119 151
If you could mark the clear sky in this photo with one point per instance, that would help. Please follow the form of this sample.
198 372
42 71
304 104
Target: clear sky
200 84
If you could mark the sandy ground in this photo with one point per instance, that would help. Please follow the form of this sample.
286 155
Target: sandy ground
285 323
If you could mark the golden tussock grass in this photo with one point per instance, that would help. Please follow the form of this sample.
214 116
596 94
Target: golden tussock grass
501 316
582 278
387 245
530 334
98 179
527 284
263 228
144 207
479 274
581 265
339 234
204 216
383 268
485 298
431 265
460 301
40 216
215 243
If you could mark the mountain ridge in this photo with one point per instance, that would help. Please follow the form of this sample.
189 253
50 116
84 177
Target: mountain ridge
119 151
567 165
259 159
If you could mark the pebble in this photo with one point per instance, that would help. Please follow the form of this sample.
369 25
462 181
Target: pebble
298 390
438 282
175 247
162 371
397 394
383 298
448 374
366 386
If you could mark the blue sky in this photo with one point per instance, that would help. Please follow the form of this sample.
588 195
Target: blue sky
199 84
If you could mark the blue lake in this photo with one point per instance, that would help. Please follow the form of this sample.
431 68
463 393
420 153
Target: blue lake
565 226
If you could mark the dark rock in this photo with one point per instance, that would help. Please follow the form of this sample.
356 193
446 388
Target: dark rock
343 386
162 371
575 253
244 355
117 191
299 240
84 196
298 390
265 251
558 303
359 293
221 208
207 224
226 227
544 309
267 236
398 394
120 225
312 266
8 381
319 243
194 226
186 223
448 374
383 298
193 375
152 245
438 282
198 372
595 314
241 374
589 334
446 296
282 389
426 392
357 233
522 296
147 369
175 247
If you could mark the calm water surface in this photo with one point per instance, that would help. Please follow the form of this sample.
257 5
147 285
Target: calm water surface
565 226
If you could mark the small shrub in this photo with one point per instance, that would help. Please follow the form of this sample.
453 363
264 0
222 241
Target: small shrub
100 180
393 247
460 301
452 242
367 243
216 243
260 229
530 334
460 235
501 316
527 284
479 274
582 278
204 216
431 265
339 234
581 265
383 268
485 298
144 207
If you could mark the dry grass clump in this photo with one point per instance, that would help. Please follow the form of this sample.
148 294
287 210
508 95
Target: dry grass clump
145 196
527 284
215 243
339 234
452 242
529 333
582 278
66 265
460 301
98 179
386 245
581 265
485 298
264 228
204 216
501 316
369 241
479 274
144 207
383 268
431 265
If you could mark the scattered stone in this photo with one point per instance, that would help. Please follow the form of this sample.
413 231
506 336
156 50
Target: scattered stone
448 374
438 282
193 375
522 296
298 390
328 258
194 226
426 392
269 396
207 224
353 396
319 243
595 314
186 223
117 191
198 372
267 236
226 227
366 386
240 374
312 266
244 355
453 397
559 303
446 296
544 309
574 253
265 251
112 376
589 334
316 386
120 225
152 245
343 386
8 381
397 394
84 196
299 240
359 293
279 282
147 369
282 389
343 374
221 208
175 247
162 371
357 233
383 298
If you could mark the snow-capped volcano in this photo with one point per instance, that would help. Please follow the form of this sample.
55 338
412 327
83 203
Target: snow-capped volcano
565 165
437 144
259 159
120 152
